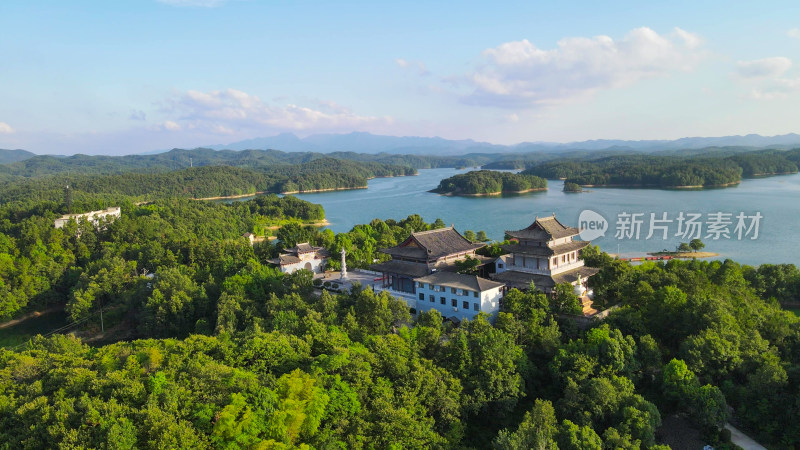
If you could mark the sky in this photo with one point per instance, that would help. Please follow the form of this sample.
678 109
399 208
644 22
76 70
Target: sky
122 77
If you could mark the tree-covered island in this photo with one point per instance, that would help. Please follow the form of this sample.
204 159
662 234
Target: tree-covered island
669 172
490 182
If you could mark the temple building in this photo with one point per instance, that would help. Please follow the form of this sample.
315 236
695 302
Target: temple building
547 254
422 272
302 256
421 254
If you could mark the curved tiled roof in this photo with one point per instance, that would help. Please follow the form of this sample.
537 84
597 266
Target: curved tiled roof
529 250
522 280
433 244
544 228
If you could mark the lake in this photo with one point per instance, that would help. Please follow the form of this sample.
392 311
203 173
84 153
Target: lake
777 199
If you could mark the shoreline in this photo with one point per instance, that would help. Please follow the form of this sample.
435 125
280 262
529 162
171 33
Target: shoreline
311 191
655 186
253 194
225 197
770 174
685 255
322 223
489 194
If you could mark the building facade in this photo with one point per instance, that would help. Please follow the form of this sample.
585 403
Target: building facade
421 254
546 254
302 256
457 295
92 217
422 271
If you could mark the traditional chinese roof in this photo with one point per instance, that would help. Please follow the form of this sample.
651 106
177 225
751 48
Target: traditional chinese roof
522 280
460 281
432 244
544 229
305 247
292 255
529 250
401 267
285 259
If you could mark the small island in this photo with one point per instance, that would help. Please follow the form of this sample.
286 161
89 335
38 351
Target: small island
490 182
572 187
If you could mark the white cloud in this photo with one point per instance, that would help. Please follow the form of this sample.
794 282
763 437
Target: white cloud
766 78
519 74
763 68
231 110
776 89
420 67
194 3
6 128
794 33
171 126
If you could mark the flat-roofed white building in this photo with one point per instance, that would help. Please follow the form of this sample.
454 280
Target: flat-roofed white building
458 295
92 217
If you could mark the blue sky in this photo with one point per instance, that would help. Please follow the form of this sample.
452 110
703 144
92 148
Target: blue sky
120 76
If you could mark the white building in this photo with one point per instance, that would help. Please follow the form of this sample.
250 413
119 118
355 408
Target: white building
458 295
93 217
302 256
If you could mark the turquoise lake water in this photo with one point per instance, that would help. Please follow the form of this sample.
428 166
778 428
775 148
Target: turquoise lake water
777 199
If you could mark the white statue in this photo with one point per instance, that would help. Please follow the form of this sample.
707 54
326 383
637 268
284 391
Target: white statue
344 266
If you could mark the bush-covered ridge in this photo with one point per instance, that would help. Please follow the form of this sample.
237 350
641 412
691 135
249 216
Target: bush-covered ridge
489 182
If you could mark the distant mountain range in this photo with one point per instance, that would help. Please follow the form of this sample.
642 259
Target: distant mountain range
367 143
370 143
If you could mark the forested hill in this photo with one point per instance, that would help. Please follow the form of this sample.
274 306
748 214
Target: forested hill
10 156
489 182
178 159
668 171
93 191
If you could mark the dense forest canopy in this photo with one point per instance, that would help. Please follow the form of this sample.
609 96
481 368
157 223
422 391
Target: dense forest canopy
487 182
637 170
178 159
93 191
206 345
223 351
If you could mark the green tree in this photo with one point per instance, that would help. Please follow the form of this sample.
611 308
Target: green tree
565 301
697 245
574 437
537 431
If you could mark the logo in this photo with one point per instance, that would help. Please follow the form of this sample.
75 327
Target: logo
592 225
